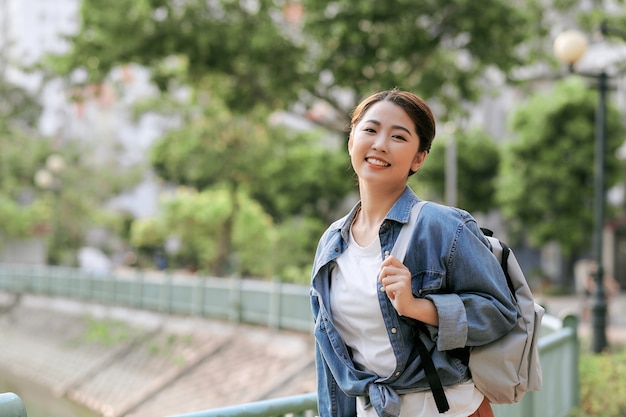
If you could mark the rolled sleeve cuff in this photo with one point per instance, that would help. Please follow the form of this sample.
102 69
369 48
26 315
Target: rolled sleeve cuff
452 330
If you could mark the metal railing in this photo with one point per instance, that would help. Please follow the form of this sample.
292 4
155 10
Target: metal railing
11 405
269 303
304 405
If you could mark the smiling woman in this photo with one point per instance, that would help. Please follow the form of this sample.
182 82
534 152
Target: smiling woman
369 306
39 401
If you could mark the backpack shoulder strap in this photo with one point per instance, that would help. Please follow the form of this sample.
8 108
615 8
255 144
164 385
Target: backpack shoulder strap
404 238
399 251
432 376
505 266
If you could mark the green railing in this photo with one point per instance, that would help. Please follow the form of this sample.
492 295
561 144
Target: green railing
304 405
11 405
270 303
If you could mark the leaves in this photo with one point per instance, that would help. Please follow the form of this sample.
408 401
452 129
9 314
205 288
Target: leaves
547 176
477 164
214 38
438 49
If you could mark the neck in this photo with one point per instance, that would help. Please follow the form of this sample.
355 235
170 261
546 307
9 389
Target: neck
375 204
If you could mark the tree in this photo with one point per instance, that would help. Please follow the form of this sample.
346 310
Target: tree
289 174
478 160
265 54
243 44
63 213
259 57
199 221
546 185
439 49
21 151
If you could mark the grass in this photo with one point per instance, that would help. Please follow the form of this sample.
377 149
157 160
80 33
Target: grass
106 332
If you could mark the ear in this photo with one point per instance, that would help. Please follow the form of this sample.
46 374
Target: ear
350 144
418 160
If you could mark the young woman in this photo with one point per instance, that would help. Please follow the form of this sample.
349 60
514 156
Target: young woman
369 307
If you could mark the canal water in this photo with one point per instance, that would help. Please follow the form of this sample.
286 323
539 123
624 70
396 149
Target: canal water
39 401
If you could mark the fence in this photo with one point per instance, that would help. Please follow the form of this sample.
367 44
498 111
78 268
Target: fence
273 304
276 305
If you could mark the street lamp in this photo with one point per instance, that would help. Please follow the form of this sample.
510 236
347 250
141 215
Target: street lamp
569 47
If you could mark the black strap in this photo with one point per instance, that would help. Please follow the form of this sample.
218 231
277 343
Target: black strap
433 378
505 266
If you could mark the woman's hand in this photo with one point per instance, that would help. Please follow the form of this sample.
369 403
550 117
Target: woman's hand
395 280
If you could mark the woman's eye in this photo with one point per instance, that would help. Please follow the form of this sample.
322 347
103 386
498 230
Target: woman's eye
369 129
399 137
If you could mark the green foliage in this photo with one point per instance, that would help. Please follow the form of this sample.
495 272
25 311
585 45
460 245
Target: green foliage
254 239
478 159
73 203
547 174
198 219
148 234
245 46
243 60
22 151
301 176
602 384
215 146
259 248
436 48
262 58
17 221
19 110
287 173
296 244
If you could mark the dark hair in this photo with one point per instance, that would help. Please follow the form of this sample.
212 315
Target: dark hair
415 107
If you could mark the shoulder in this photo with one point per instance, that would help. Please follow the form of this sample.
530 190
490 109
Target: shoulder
440 213
450 221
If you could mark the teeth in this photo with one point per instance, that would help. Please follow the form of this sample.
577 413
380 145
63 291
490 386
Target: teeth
377 162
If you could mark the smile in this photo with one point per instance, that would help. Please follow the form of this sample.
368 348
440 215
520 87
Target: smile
377 162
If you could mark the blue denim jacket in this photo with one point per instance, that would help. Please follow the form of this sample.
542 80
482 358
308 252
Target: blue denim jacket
452 266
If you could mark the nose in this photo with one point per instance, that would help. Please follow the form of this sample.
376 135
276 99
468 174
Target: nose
380 142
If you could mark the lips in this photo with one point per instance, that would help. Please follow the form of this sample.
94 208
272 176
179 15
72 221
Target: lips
377 162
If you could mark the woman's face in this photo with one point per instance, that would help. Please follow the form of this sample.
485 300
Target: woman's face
384 145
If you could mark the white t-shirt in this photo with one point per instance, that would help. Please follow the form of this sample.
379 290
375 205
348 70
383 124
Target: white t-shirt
359 320
355 308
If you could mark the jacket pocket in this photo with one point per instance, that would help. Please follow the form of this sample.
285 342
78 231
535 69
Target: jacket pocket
426 282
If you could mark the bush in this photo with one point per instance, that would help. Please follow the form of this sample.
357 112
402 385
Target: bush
602 384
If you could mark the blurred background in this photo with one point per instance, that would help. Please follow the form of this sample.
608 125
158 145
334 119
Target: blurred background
211 136
208 138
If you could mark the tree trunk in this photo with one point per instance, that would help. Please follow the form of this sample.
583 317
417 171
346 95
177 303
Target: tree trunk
223 266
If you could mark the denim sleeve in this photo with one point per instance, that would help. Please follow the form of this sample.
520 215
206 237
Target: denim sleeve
476 307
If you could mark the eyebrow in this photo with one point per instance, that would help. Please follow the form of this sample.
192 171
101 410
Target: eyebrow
377 123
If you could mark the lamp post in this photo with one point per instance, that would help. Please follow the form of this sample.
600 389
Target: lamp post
569 47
